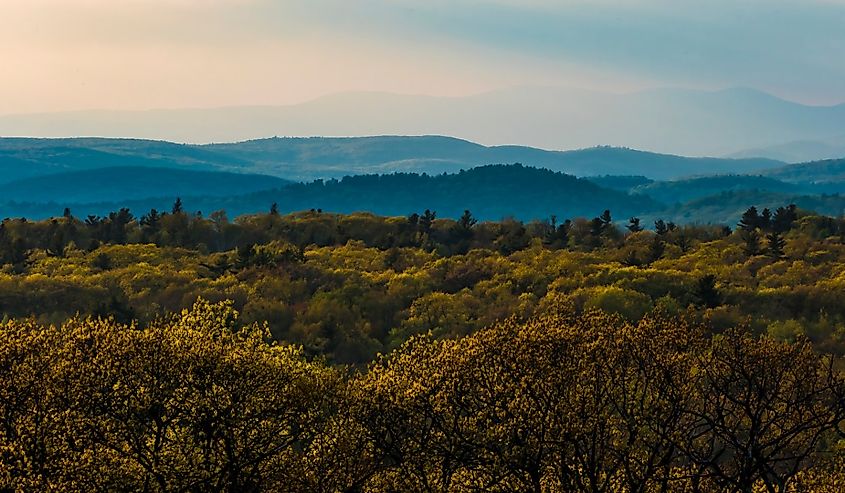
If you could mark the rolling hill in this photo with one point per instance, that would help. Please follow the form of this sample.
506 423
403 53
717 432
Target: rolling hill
305 159
24 157
830 171
490 192
133 183
681 191
727 207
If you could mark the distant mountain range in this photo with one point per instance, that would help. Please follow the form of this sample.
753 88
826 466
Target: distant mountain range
794 152
305 159
398 176
674 121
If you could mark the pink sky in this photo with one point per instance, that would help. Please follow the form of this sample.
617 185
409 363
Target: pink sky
141 54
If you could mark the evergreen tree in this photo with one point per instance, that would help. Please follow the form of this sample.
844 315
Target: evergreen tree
606 218
750 219
752 242
783 218
765 219
706 292
601 224
557 235
177 206
776 244
634 225
150 225
467 221
426 221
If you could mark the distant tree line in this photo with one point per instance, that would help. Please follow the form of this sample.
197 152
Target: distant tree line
215 232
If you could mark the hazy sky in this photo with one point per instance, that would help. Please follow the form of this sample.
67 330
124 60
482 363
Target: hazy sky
140 54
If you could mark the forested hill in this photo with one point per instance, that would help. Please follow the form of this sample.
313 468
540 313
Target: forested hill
133 183
818 172
490 192
306 159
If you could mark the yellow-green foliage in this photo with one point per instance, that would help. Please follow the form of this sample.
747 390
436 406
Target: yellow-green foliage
564 402
188 403
335 286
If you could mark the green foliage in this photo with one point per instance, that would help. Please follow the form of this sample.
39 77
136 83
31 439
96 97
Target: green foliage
629 304
198 401
348 287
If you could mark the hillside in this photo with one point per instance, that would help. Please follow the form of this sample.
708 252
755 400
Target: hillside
24 158
829 171
305 159
727 207
620 182
133 183
680 191
490 192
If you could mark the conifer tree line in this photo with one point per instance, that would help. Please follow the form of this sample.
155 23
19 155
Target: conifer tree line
563 402
216 232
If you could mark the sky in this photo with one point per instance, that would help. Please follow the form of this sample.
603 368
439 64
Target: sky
58 55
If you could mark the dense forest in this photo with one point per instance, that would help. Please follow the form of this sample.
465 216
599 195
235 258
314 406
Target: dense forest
323 352
350 286
563 402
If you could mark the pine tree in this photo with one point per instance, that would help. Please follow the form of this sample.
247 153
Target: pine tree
765 219
426 221
467 221
752 242
783 218
606 218
706 292
776 244
750 219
